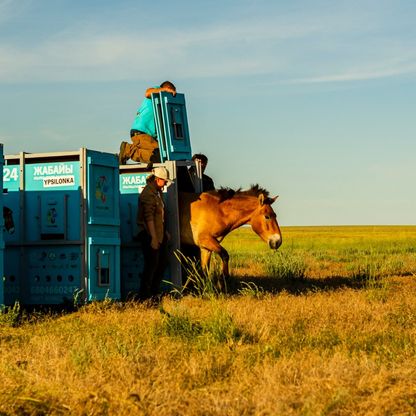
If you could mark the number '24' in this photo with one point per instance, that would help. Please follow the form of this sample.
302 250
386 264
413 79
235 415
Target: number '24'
10 174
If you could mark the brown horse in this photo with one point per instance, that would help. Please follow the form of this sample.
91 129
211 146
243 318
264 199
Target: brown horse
205 219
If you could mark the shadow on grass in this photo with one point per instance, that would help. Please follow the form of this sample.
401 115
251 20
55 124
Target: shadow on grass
272 285
294 286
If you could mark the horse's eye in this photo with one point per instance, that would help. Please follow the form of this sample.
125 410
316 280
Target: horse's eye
267 217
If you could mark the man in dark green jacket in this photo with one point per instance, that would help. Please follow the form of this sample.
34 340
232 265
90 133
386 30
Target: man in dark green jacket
151 219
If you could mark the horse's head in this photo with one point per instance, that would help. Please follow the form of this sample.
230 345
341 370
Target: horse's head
264 222
8 220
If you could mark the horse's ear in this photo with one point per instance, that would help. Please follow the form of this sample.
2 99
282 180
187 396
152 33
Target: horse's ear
273 199
261 199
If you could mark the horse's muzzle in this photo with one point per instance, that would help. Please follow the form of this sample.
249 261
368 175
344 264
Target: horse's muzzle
275 241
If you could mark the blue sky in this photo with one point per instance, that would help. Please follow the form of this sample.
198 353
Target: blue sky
313 100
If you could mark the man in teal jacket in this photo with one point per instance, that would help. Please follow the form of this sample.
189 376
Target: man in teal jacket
144 147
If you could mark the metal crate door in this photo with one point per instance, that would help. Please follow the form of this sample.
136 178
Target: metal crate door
132 262
172 126
103 226
11 237
1 233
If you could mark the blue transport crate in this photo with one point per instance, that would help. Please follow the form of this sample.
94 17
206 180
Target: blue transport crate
66 239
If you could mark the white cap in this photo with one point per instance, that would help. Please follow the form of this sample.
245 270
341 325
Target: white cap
162 173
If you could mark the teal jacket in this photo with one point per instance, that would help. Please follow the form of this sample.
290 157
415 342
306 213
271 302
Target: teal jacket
145 118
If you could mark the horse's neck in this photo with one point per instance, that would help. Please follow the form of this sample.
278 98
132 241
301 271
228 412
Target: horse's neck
241 211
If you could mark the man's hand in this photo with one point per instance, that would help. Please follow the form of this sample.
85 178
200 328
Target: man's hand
173 92
150 91
154 244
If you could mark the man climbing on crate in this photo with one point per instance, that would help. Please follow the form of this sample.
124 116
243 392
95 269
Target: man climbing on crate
144 147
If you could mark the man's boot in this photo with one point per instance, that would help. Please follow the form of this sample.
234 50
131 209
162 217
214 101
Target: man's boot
154 158
122 157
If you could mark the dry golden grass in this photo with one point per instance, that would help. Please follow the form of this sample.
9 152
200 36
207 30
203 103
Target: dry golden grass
347 348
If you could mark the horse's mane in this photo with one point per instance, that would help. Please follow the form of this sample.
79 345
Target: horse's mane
225 193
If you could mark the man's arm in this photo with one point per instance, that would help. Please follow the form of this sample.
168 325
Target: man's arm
151 91
148 205
152 231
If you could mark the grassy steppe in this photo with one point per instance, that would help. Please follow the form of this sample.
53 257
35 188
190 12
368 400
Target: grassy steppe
325 326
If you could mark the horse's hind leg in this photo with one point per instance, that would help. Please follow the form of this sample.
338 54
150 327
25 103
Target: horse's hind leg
205 259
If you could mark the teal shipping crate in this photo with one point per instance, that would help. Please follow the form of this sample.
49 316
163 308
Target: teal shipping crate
132 182
2 224
171 123
65 243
